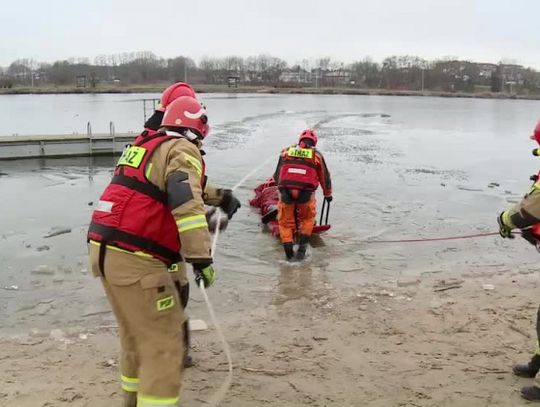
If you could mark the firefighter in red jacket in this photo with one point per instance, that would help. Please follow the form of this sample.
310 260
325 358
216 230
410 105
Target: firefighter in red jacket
212 195
525 215
300 170
152 211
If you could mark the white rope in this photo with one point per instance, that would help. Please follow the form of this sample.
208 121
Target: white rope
219 395
216 233
251 173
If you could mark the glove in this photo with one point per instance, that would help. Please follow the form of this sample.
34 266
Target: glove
504 230
328 198
229 203
204 272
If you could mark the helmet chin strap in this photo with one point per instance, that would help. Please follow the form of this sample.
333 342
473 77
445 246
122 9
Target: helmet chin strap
188 134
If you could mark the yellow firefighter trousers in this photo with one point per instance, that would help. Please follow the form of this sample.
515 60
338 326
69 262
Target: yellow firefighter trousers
146 305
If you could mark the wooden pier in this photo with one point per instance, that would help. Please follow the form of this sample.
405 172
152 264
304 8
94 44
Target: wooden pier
17 147
55 146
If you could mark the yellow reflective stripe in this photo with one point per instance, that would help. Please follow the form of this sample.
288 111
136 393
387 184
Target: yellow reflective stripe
152 401
130 388
130 384
195 163
537 350
129 379
148 170
109 247
191 222
175 268
165 303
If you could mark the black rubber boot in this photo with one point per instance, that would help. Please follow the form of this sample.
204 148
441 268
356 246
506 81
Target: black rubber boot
529 369
130 399
289 250
303 243
188 360
270 215
531 393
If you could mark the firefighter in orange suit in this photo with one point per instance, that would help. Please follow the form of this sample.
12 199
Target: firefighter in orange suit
152 211
300 170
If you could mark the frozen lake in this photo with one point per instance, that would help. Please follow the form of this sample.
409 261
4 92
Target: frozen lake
402 167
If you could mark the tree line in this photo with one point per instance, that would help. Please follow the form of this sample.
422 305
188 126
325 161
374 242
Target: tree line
394 72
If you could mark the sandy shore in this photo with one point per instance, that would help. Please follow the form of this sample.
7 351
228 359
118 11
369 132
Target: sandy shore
401 343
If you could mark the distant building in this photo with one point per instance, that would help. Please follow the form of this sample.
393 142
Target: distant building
296 76
337 77
81 81
252 77
453 68
486 70
233 81
513 73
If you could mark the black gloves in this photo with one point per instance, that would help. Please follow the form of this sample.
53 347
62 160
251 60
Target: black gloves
229 203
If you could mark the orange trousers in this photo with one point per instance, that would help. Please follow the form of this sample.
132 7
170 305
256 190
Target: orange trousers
293 215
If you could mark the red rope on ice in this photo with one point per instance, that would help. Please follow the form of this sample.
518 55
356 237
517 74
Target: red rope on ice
436 239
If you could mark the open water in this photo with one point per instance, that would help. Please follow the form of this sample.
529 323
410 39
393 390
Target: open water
402 167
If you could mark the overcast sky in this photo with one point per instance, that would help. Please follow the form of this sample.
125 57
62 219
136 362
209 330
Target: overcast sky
346 30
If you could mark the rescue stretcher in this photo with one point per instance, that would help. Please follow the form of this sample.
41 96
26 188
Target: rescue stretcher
266 200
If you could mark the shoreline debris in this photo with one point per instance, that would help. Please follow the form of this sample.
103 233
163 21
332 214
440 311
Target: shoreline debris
57 231
450 284
43 269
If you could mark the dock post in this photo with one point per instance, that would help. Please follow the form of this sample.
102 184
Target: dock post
89 135
144 109
112 133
